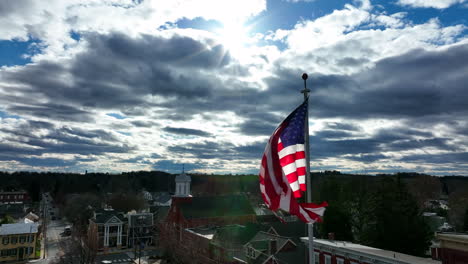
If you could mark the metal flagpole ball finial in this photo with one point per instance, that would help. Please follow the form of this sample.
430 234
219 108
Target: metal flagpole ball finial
305 76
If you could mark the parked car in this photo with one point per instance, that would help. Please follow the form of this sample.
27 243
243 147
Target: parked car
67 231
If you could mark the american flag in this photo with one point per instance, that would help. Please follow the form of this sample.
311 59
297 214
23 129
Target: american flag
283 169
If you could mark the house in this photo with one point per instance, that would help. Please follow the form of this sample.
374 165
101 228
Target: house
453 248
342 252
161 199
18 241
109 229
228 241
14 197
266 247
31 217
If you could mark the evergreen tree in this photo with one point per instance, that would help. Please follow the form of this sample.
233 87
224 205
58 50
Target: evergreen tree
337 221
465 223
394 221
7 220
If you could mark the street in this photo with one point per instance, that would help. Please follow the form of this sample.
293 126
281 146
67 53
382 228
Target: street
53 238
53 229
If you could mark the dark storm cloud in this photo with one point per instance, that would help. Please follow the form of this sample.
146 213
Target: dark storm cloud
143 123
53 111
348 61
47 162
117 71
446 158
367 158
260 123
327 144
187 131
222 151
21 141
321 148
343 126
89 134
438 143
137 159
333 134
417 84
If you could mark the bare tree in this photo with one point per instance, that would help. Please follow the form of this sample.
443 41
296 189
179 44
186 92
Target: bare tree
125 202
424 188
79 249
458 204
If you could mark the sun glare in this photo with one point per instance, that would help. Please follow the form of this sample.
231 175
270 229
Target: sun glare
234 37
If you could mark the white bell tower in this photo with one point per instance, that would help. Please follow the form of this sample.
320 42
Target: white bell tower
183 185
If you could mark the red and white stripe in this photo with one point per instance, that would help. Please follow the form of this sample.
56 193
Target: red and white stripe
293 162
280 185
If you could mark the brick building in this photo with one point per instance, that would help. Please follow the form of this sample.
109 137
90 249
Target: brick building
452 249
13 197
341 252
187 212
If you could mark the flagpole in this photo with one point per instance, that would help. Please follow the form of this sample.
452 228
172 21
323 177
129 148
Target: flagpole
310 226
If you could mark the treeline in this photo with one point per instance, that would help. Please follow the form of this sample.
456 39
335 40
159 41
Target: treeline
375 211
384 211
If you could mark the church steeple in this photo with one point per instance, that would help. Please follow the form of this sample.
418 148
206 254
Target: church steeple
183 182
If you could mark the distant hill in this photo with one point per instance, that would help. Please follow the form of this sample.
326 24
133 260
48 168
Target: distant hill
202 184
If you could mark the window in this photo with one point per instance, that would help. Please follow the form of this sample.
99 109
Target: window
4 253
22 239
317 258
31 238
250 252
14 240
327 259
5 241
339 261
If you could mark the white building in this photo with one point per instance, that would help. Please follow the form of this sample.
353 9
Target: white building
183 182
341 252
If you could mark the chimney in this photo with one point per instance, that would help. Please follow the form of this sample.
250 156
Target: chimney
331 236
272 246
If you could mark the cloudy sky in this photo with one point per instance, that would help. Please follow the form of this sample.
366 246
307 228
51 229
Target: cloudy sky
121 85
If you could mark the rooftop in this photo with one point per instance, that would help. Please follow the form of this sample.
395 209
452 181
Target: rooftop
456 237
104 215
219 206
20 228
183 178
206 232
373 252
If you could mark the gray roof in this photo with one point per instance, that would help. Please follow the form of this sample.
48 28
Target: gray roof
183 178
13 229
103 216
162 197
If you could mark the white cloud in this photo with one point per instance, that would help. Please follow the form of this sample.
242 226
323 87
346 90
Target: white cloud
352 39
53 22
439 4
